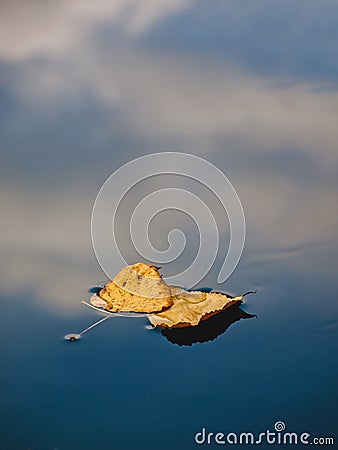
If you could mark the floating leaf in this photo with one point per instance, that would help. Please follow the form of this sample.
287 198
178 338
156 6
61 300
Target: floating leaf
140 288
190 308
137 288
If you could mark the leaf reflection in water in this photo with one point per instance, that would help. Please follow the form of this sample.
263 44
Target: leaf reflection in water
207 330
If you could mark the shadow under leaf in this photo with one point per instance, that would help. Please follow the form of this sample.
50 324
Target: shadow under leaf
208 329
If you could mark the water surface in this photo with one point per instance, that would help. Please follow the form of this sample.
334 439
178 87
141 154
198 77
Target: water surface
252 89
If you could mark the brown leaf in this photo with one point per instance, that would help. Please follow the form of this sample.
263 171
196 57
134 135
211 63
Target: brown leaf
137 288
189 308
140 288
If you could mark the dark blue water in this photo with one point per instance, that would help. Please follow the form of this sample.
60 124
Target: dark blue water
126 387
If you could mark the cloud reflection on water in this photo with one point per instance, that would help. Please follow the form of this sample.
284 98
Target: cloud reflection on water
85 92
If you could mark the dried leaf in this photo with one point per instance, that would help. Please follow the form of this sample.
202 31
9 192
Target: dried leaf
140 288
189 308
137 288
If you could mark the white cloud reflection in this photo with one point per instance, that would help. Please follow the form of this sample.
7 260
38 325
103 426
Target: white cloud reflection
30 28
59 58
170 97
46 244
194 104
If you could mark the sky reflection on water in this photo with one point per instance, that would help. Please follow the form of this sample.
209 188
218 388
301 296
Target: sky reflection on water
253 89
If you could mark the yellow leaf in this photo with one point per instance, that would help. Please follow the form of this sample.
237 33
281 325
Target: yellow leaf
189 308
140 288
137 288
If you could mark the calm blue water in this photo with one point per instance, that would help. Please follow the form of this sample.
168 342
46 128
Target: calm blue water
250 87
126 387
